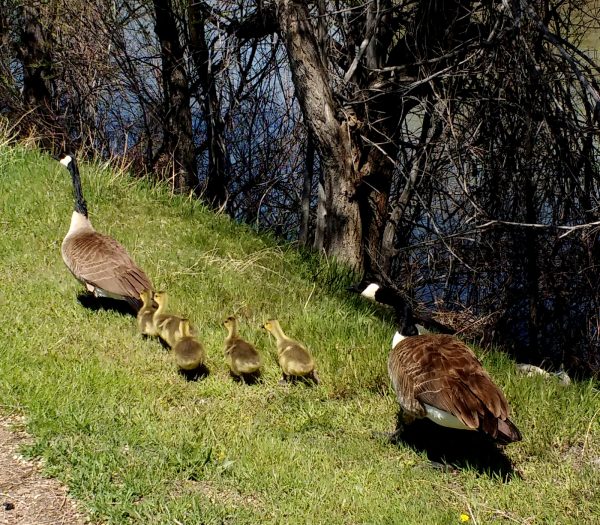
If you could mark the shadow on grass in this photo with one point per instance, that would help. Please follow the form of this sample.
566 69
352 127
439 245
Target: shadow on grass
254 378
451 449
311 379
89 301
197 374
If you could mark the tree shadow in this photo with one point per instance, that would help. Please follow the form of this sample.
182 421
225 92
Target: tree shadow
452 449
91 302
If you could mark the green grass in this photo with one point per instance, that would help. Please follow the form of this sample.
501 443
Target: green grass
136 443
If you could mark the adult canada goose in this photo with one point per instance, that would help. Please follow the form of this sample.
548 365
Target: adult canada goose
165 325
188 351
437 376
97 260
145 316
294 359
243 359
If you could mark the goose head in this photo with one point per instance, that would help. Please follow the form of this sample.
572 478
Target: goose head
405 322
376 292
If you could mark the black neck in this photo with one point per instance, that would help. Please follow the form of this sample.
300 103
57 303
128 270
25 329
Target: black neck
405 320
389 296
80 205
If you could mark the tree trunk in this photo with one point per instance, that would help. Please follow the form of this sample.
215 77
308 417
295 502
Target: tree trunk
372 195
215 190
34 52
342 235
178 139
321 218
306 191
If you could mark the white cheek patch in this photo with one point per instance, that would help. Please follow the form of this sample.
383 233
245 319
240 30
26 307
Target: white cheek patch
369 291
66 161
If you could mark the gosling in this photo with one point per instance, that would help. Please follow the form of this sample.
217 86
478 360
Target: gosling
145 317
188 351
243 359
165 325
295 360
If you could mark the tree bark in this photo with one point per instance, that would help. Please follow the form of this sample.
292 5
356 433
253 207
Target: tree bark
178 139
321 217
306 192
34 52
343 234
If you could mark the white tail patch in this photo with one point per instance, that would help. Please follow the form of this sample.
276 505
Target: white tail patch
99 292
445 419
369 291
66 160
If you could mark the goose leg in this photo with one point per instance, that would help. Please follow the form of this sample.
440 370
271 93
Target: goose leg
402 419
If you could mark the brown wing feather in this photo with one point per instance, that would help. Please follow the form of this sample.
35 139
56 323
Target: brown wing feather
403 371
443 372
102 262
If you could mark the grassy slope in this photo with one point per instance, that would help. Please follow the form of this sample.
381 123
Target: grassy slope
136 443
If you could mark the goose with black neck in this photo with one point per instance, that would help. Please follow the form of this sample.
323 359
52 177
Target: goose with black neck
437 376
98 261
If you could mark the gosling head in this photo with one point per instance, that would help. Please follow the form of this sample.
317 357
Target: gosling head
146 297
160 297
230 322
269 325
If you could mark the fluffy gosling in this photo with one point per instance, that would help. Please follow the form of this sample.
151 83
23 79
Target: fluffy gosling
243 359
188 351
295 360
145 317
165 325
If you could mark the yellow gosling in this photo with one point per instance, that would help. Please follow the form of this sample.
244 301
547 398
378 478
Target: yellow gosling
294 359
145 317
188 351
243 359
165 325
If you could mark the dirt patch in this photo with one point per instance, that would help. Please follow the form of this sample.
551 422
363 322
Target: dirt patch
26 496
220 495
